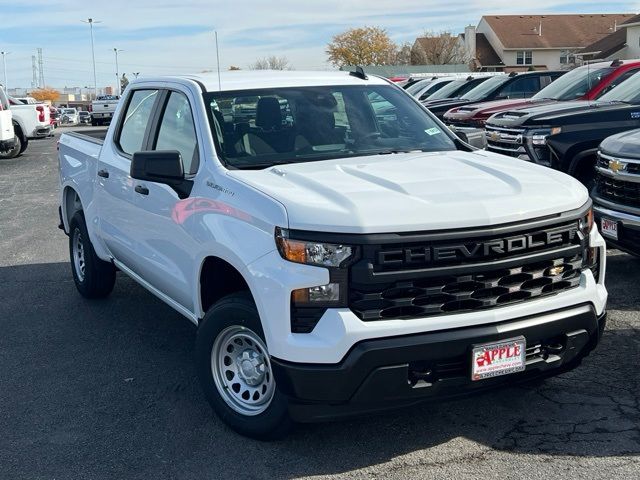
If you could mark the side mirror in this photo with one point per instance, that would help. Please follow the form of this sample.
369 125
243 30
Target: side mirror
161 167
157 166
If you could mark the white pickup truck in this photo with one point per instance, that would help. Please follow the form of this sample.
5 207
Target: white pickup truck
30 120
335 260
7 135
103 108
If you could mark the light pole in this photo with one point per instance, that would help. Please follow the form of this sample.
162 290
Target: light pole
118 84
4 67
91 21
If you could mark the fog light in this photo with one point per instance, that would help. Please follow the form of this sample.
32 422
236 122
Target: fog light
322 294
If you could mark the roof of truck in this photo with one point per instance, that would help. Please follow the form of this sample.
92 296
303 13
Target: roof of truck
252 79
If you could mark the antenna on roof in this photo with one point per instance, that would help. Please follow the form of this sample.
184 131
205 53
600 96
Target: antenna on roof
359 73
218 60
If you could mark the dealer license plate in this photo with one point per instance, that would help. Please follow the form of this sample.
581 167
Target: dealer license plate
609 228
498 358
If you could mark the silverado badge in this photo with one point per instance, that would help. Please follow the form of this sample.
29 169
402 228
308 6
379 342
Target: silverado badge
617 166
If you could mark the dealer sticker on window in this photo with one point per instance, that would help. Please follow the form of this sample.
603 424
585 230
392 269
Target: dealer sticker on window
499 358
433 131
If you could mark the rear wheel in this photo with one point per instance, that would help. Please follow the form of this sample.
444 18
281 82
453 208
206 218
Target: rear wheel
94 278
235 372
25 144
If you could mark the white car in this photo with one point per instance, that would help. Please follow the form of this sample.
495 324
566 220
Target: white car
353 258
69 116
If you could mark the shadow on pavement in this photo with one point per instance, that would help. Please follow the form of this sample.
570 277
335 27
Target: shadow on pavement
99 389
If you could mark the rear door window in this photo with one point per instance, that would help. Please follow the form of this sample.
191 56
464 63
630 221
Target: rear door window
136 119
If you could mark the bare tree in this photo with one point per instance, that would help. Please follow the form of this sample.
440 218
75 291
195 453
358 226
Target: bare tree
403 54
271 63
441 48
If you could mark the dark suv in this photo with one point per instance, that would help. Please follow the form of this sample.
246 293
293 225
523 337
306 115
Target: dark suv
513 85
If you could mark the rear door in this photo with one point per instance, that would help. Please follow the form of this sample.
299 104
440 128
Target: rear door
164 247
114 190
6 125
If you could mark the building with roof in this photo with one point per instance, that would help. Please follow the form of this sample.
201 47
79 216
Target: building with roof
532 42
623 43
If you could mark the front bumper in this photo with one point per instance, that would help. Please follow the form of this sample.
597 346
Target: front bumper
380 374
628 226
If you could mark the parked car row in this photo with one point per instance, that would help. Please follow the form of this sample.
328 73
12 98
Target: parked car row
563 121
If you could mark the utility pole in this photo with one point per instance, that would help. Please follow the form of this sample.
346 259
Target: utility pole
118 84
91 21
4 67
40 69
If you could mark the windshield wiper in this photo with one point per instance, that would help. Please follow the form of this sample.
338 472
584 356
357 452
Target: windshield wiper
391 152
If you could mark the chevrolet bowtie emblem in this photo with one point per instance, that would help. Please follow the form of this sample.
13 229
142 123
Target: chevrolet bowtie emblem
495 136
617 166
556 270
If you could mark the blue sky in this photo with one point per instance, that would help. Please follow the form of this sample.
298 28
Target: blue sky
163 36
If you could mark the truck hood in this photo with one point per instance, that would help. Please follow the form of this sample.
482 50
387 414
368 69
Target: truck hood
415 191
546 113
625 145
486 109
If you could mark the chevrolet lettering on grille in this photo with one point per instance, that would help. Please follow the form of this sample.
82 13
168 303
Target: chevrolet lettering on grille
477 250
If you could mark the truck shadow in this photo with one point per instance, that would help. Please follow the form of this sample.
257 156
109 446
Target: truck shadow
91 387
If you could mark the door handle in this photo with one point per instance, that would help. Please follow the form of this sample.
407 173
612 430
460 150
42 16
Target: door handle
103 173
142 190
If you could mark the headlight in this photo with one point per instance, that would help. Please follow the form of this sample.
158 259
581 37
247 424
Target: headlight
540 138
586 223
312 253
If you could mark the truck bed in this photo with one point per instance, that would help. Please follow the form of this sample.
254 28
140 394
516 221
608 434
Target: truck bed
96 135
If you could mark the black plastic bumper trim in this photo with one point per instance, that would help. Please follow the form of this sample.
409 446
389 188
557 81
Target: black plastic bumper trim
374 374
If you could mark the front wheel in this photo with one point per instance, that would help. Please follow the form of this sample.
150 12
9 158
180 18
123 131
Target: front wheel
235 371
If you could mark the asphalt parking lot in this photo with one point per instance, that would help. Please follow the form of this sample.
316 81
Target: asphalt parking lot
107 389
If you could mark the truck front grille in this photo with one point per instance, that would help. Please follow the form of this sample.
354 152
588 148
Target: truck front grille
507 141
425 297
414 275
618 191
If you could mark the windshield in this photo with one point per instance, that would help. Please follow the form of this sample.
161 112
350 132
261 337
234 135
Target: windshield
485 88
69 110
291 125
628 91
448 90
574 84
416 87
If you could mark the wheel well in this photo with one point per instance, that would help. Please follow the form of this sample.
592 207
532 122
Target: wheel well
18 131
72 203
583 166
217 279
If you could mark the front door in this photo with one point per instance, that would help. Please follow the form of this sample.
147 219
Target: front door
165 249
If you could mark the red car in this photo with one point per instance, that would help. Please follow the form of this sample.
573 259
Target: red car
583 83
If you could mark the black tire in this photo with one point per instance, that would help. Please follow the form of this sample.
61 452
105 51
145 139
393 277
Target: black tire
23 147
99 277
237 310
15 151
94 123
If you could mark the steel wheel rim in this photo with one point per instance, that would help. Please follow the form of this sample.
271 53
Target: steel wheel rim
78 254
242 371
